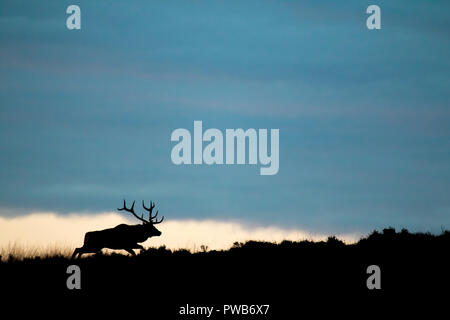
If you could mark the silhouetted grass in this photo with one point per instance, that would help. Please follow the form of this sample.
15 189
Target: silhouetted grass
411 263
386 239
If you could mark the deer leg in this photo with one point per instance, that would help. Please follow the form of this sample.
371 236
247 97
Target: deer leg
130 251
82 250
77 251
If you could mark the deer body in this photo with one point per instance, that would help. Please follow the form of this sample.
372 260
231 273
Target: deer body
119 237
123 236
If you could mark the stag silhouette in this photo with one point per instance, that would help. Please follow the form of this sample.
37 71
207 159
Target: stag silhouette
123 236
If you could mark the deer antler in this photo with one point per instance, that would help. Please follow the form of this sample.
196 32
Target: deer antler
150 217
131 210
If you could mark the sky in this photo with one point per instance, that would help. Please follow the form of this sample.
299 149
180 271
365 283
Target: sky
86 115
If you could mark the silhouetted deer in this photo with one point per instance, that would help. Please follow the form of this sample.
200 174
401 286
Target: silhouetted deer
123 236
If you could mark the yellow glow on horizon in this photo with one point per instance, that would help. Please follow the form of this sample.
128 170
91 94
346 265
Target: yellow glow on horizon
37 232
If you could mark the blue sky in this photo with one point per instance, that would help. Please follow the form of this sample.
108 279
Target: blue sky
86 116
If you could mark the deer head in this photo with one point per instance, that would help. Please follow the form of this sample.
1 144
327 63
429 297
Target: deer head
152 220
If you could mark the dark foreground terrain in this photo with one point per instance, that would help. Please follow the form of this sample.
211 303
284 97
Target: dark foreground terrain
290 277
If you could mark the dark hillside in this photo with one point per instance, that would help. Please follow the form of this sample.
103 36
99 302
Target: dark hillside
282 275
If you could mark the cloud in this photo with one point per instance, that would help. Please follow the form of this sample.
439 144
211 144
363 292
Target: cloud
39 231
86 116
